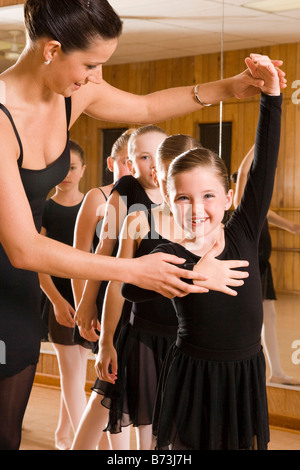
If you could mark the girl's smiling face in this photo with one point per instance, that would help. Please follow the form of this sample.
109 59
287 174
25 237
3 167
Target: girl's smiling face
198 201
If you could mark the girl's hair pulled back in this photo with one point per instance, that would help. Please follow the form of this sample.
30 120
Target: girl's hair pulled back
141 131
199 157
173 146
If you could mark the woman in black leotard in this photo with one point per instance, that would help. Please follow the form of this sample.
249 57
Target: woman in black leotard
212 393
56 63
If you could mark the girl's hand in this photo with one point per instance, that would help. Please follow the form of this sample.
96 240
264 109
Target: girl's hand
262 67
86 315
221 274
90 334
64 313
106 363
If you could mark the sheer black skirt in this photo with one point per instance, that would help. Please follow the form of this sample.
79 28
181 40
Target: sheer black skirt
131 399
211 405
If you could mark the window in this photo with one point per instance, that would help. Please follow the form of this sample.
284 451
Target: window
209 138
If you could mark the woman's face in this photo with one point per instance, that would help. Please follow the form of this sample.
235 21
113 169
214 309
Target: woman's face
67 73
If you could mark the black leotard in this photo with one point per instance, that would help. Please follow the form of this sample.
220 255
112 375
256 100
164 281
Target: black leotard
21 326
59 222
141 349
212 393
264 253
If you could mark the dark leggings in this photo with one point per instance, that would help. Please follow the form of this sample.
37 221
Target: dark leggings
14 396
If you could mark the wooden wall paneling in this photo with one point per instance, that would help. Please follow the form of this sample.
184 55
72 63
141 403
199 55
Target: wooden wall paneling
8 3
148 77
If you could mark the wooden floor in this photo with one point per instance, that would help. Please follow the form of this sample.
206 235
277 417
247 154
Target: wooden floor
42 412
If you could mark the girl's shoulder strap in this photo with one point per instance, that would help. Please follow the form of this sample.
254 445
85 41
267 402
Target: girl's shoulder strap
103 193
5 110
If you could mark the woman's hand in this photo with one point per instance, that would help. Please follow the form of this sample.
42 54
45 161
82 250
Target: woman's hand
156 272
220 273
64 313
106 362
262 67
245 84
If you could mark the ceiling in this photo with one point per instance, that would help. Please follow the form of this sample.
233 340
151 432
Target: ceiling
160 29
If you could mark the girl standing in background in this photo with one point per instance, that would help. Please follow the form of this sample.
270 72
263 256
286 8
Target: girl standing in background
58 223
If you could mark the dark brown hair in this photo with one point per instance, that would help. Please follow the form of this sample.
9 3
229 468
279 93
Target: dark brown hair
76 148
74 23
199 157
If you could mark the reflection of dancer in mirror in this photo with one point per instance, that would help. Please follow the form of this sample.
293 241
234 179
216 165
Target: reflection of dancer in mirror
269 334
90 216
36 113
131 191
212 390
87 233
58 223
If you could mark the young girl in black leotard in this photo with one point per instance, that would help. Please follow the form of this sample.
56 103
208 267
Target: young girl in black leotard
58 223
212 391
86 237
129 193
90 217
145 340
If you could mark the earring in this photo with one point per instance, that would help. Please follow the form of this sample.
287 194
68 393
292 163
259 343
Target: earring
47 62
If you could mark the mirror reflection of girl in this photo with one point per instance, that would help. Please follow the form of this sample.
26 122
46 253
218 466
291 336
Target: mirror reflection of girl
212 392
131 191
88 229
90 216
58 223
138 188
269 334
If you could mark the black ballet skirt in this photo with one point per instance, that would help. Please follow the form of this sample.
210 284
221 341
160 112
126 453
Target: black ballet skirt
21 325
212 390
59 222
264 253
141 348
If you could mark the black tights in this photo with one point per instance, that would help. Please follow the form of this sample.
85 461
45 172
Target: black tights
14 396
